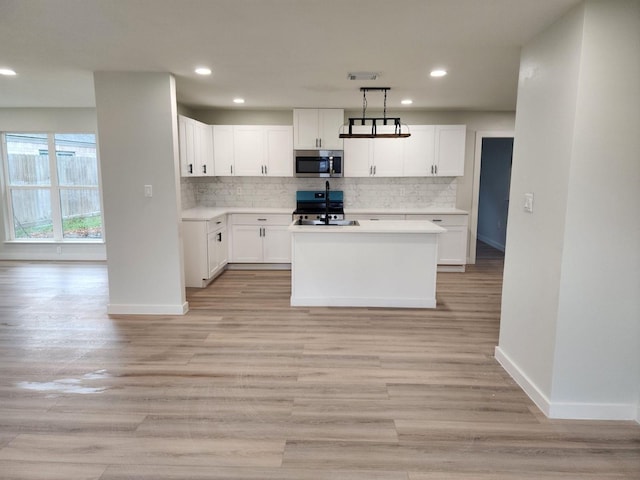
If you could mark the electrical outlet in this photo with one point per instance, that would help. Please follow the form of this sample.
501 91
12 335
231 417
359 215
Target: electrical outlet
148 191
59 250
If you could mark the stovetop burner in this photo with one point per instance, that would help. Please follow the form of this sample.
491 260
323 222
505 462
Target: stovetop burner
311 205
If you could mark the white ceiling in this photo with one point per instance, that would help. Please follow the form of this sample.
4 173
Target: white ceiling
274 53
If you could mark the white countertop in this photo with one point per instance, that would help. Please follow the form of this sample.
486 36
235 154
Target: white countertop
373 226
207 213
203 213
405 211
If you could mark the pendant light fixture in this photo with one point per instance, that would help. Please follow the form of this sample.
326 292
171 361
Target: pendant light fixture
375 122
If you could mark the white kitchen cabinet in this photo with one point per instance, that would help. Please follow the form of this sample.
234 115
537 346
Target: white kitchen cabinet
316 128
223 150
279 150
452 246
260 238
449 150
431 150
254 150
196 148
419 151
373 157
205 250
248 150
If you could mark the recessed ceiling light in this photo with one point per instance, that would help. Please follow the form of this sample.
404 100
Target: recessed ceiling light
203 71
7 71
438 73
406 101
238 100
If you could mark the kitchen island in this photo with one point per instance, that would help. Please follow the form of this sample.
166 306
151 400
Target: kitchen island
373 264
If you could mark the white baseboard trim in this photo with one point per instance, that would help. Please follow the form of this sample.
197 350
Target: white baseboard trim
592 411
534 393
135 309
492 243
566 410
54 257
363 302
258 266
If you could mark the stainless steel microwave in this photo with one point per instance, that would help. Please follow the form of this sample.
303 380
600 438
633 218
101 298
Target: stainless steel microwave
318 163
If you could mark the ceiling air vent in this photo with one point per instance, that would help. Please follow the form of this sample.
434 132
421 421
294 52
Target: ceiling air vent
363 76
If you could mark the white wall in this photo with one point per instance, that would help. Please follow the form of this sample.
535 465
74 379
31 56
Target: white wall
570 326
47 120
597 348
137 124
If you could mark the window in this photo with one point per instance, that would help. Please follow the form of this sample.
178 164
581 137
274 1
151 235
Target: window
52 186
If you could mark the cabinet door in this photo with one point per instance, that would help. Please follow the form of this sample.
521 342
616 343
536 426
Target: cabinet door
452 246
204 149
277 244
305 128
449 150
195 250
358 155
330 121
186 134
387 156
419 151
212 256
247 244
279 144
222 252
223 150
248 149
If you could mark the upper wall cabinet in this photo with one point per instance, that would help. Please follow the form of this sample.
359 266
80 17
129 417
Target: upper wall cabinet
253 150
449 150
431 150
317 128
368 157
196 147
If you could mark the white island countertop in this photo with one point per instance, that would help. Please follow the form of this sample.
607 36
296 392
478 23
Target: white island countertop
372 226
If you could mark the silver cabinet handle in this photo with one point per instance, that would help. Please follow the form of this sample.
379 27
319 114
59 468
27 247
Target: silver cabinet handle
204 169
231 167
191 168
262 219
265 169
436 168
374 169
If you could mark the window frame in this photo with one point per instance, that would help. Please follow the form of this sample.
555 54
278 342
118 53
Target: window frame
53 187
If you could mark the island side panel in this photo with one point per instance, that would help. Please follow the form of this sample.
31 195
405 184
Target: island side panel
364 269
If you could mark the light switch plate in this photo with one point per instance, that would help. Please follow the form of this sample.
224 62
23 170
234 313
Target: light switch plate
528 202
148 191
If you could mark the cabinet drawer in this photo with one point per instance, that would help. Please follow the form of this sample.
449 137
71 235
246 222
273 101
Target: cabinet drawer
216 223
261 219
442 220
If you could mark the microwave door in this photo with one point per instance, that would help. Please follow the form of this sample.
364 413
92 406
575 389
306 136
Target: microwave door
307 165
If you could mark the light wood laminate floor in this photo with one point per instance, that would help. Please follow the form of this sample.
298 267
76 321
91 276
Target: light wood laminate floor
245 387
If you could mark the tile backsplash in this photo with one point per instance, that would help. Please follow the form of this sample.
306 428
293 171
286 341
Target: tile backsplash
279 192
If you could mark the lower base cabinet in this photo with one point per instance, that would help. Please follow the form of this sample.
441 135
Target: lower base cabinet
205 250
452 246
260 238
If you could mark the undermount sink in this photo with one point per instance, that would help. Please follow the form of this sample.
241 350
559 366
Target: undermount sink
341 223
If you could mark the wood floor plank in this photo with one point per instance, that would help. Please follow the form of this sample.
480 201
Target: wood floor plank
245 387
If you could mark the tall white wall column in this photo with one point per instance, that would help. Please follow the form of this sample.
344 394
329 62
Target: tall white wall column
570 326
138 143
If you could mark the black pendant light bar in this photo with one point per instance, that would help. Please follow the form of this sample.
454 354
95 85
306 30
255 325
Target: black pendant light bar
375 121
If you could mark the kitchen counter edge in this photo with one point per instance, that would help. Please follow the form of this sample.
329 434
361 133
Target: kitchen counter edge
207 213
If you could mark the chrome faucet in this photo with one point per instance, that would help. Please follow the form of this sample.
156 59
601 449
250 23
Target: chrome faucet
326 203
